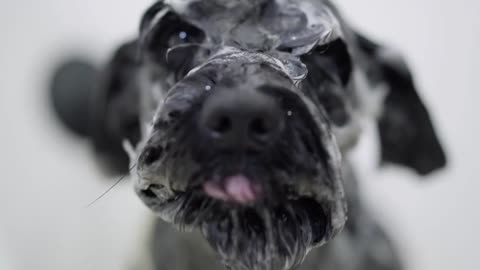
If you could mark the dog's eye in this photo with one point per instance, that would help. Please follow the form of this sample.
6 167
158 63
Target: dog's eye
182 37
173 30
170 32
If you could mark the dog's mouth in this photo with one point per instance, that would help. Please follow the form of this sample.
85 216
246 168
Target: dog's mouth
238 189
250 222
234 191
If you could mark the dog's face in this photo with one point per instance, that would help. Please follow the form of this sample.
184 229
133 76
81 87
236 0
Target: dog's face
239 150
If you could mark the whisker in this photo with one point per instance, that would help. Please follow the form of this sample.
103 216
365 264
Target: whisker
112 187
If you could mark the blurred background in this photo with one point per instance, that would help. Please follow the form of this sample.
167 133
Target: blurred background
48 176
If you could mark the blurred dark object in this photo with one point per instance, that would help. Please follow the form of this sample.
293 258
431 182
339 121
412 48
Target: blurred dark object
100 106
72 89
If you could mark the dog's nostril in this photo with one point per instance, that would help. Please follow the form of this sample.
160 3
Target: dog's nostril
259 126
221 125
152 154
236 118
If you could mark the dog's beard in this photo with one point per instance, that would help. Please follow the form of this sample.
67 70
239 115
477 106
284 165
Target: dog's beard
266 238
275 233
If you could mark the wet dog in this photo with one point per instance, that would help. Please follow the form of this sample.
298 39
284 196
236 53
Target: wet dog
237 115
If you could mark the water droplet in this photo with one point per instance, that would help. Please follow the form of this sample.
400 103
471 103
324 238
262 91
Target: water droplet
289 113
208 88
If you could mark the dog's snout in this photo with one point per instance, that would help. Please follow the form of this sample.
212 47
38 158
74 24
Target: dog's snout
237 119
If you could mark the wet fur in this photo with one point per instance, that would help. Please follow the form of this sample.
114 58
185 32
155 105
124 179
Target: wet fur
285 226
151 94
361 245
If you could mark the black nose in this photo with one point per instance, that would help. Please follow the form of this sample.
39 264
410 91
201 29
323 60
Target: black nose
241 119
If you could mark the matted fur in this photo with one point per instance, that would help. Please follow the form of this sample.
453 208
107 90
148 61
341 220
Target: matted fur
326 80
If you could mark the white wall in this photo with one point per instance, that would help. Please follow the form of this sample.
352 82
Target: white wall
48 176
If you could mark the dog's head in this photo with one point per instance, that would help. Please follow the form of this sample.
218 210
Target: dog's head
238 148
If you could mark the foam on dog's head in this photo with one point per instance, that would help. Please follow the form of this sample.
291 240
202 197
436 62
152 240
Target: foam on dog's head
296 26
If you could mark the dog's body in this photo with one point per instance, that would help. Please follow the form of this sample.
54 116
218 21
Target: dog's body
240 112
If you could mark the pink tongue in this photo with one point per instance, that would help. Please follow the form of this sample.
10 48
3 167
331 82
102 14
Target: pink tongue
238 188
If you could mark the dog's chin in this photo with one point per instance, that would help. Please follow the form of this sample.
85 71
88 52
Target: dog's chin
259 236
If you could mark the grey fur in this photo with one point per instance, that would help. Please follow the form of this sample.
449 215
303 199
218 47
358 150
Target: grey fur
233 30
329 79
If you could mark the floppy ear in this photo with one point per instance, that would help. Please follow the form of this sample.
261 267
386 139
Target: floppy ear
407 135
115 112
406 131
101 105
330 68
337 60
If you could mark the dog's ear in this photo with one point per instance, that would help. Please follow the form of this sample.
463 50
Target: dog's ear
406 131
407 135
115 112
100 105
337 60
329 71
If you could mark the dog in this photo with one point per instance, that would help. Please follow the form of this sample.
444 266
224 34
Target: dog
238 117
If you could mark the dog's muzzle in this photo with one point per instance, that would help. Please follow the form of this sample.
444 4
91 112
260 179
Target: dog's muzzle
237 151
